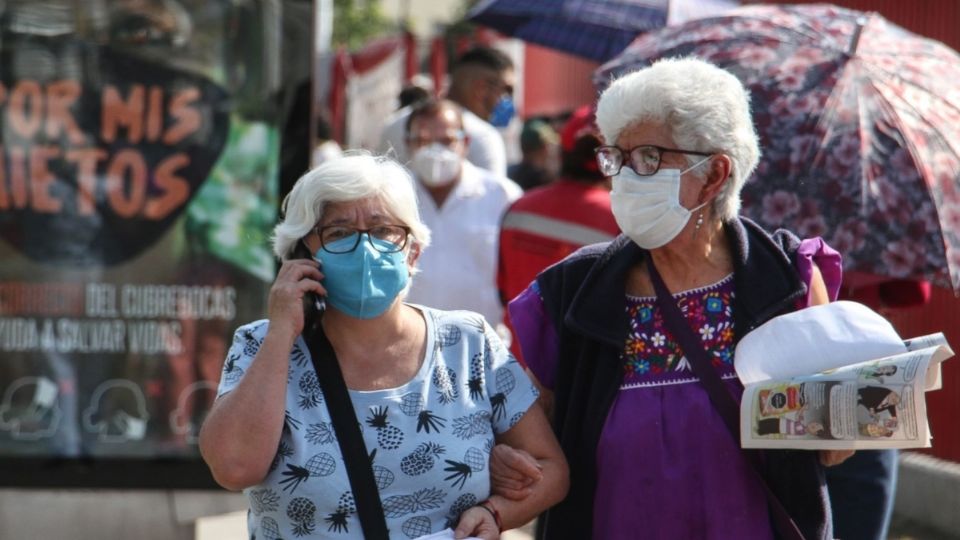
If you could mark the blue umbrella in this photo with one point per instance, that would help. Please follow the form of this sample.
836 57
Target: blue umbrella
594 29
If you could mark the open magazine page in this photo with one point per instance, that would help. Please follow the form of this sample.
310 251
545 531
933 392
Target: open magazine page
934 382
875 404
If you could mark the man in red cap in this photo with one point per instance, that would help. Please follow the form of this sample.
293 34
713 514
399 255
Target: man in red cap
548 223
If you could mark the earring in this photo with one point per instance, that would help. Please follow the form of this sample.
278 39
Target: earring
699 224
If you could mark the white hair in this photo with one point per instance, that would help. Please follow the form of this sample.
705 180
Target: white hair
356 175
705 108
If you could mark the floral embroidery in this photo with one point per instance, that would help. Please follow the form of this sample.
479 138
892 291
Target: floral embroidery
650 350
706 332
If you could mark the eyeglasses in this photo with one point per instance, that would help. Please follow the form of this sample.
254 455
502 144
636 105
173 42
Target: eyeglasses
644 160
448 140
340 239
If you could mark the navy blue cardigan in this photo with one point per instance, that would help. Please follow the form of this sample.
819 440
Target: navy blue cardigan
584 296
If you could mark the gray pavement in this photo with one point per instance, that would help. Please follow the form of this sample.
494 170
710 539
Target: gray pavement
928 499
927 508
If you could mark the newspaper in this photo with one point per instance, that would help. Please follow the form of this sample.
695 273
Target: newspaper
814 379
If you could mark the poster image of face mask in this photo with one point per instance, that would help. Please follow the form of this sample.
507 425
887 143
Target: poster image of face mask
29 410
117 412
193 402
137 142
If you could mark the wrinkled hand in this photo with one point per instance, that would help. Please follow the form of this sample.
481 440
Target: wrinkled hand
476 521
285 305
829 458
513 472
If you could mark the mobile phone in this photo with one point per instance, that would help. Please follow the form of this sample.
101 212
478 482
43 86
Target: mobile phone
313 304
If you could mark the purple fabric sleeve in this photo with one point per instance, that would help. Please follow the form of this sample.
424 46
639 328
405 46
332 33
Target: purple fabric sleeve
828 260
536 334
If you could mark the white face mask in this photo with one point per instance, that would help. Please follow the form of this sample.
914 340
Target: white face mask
647 208
133 428
45 394
435 165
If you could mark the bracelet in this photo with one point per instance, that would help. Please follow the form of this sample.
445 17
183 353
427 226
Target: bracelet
489 507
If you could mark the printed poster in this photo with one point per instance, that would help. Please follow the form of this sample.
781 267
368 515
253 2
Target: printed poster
136 203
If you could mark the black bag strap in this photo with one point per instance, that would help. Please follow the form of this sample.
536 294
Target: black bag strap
721 398
347 428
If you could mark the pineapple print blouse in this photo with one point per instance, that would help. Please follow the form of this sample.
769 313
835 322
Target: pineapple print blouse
429 439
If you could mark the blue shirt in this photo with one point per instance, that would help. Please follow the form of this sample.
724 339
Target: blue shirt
430 438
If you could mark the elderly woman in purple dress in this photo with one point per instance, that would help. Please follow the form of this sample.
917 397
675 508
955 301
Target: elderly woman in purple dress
650 455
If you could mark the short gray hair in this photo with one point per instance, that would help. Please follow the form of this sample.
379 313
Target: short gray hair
705 108
356 175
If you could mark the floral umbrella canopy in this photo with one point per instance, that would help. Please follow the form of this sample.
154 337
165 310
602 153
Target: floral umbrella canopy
859 124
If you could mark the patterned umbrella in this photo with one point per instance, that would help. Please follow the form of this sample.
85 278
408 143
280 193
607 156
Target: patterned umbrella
859 124
594 29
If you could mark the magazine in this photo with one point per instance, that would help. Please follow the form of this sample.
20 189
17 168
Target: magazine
836 376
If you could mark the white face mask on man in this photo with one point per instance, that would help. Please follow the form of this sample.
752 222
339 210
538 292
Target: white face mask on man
647 208
435 165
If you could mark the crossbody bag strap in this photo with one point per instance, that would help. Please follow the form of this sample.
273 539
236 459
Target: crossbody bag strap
345 424
721 398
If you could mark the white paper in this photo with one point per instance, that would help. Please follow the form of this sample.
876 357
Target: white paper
446 534
815 339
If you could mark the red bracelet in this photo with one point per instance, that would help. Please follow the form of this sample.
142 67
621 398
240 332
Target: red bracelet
489 507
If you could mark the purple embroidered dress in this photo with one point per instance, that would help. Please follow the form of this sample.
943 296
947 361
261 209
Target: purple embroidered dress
667 467
664 430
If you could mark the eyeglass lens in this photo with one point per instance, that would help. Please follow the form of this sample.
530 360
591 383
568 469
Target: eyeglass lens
385 238
644 160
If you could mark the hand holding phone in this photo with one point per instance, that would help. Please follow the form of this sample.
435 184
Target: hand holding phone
313 304
296 296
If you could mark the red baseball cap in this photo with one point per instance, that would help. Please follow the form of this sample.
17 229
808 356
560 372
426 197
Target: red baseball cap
582 122
579 137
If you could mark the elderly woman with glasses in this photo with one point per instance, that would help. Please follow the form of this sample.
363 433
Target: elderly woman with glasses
650 456
433 390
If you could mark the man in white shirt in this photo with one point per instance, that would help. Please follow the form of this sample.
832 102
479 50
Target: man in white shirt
462 204
482 78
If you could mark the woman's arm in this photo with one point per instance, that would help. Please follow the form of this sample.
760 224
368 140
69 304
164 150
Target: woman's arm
533 436
513 471
818 288
240 435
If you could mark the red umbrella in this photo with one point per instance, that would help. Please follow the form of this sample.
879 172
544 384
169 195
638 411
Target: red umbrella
860 129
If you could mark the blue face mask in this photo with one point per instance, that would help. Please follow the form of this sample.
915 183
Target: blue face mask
364 282
503 112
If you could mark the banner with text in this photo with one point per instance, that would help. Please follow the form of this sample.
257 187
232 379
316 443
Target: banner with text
136 202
